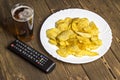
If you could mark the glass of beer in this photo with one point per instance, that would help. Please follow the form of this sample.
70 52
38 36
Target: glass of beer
23 16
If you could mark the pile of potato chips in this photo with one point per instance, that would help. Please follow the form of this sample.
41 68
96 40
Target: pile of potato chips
75 36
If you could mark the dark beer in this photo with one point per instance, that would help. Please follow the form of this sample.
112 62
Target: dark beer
23 17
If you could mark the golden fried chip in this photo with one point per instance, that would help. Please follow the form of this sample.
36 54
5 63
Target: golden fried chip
63 52
79 24
85 53
52 33
75 36
54 42
65 35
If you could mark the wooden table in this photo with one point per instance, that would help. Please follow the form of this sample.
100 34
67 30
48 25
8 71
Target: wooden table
12 67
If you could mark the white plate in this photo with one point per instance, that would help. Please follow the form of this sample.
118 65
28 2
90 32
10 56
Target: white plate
105 34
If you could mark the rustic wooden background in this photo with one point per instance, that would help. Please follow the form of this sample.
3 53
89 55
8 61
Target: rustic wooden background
12 67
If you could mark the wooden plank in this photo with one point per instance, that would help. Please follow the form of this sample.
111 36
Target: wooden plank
3 14
59 73
113 59
72 3
99 62
2 76
113 20
115 28
22 70
3 59
116 3
76 72
56 5
97 71
105 8
112 64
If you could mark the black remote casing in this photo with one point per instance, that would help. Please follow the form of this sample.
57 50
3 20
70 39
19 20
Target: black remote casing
32 55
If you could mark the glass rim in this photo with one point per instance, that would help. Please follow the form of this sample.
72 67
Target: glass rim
19 5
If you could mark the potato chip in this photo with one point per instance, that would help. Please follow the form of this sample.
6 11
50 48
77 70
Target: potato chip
75 36
65 35
85 53
79 24
63 52
54 42
52 33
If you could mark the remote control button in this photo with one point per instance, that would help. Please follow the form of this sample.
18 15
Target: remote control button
36 53
31 53
25 49
36 57
23 52
28 51
36 60
12 45
20 50
29 56
29 48
33 59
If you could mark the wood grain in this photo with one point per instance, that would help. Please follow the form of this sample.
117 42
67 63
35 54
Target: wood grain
12 67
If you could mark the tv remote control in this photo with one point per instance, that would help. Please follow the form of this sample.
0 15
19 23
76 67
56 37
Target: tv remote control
31 55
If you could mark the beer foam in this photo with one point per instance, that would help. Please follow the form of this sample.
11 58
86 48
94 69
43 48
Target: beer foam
25 15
